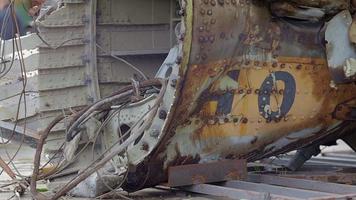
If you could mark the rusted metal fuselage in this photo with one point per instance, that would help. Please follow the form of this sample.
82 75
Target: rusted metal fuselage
250 86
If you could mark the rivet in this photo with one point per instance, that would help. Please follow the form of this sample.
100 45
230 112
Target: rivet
274 65
221 2
244 120
299 67
145 146
212 39
210 12
202 11
213 2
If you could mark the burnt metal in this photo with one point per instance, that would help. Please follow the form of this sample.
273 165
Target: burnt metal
206 173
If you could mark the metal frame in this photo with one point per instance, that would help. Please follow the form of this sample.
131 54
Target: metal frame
274 187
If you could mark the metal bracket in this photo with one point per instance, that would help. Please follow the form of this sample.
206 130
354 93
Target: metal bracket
225 170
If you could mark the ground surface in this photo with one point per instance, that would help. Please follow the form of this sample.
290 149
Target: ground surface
24 161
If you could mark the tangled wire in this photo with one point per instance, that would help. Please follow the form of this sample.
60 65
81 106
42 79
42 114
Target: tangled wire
78 119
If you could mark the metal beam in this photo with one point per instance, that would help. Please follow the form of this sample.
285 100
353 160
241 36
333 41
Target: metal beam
90 57
207 173
233 193
303 184
19 129
277 190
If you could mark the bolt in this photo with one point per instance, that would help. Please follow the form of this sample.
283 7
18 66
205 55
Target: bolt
162 114
154 133
174 83
179 60
145 146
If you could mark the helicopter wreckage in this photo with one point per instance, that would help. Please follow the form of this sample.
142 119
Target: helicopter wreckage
240 79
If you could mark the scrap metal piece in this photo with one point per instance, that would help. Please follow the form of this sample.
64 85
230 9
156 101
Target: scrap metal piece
207 173
308 10
339 47
302 156
19 129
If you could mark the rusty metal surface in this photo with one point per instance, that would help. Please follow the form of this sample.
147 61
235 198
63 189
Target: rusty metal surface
207 173
251 86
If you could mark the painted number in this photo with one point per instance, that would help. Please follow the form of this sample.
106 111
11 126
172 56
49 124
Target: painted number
225 101
264 98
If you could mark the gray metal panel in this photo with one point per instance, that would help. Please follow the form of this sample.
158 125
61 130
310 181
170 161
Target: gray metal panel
60 58
114 71
140 38
60 78
62 99
67 16
134 12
